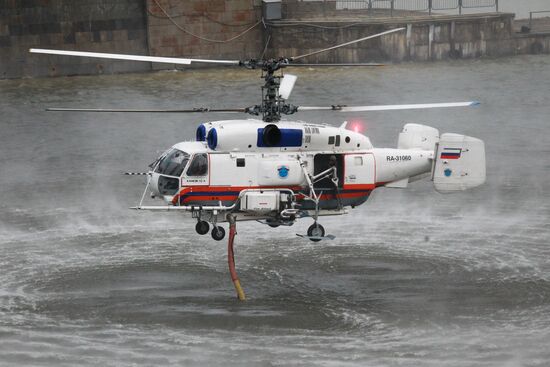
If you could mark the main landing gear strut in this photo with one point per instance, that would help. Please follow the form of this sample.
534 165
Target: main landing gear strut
316 232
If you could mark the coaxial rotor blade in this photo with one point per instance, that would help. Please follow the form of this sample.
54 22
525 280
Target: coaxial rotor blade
342 108
202 109
373 64
101 55
347 43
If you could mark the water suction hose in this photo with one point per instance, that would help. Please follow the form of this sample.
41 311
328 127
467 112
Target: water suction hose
231 257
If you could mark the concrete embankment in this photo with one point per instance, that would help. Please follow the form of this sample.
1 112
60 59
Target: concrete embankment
190 28
232 30
426 38
91 25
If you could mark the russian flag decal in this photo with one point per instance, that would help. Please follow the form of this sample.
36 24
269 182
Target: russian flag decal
451 153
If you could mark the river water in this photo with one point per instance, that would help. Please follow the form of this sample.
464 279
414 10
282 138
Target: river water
412 278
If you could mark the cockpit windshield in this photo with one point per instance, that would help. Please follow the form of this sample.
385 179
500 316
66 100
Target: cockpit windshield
173 163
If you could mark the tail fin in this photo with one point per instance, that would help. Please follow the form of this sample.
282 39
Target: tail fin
459 163
416 136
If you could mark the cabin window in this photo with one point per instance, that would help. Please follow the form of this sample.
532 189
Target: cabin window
358 161
168 185
337 141
173 163
198 166
240 162
331 140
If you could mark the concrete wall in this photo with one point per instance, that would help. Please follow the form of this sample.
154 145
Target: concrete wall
531 44
216 20
141 27
427 38
123 26
92 25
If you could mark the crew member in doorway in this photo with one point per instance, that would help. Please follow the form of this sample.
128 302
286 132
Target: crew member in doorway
332 162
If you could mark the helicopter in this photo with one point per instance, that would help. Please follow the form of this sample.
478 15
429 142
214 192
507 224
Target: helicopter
277 171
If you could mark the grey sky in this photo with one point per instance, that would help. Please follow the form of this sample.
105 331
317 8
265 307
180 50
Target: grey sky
523 7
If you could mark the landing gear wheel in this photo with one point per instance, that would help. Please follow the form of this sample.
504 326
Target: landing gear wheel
272 225
218 233
316 230
202 227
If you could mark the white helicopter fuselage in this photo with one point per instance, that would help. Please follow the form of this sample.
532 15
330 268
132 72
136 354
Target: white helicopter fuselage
259 164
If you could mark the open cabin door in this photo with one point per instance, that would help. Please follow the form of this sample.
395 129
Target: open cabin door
359 170
321 163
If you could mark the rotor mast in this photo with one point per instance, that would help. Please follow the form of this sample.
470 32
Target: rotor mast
272 103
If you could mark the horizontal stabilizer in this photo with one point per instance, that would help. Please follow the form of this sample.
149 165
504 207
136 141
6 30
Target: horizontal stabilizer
401 184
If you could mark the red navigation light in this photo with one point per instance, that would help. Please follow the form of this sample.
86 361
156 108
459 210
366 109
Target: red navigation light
358 126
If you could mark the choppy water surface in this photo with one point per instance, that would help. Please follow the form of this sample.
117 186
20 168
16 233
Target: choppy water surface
413 277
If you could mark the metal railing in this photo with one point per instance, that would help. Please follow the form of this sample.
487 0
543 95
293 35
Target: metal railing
531 17
415 5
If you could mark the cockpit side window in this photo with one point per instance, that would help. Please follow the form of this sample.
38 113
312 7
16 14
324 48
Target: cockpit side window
173 163
198 166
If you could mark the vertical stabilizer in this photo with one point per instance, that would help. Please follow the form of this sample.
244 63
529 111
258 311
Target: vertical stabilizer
459 163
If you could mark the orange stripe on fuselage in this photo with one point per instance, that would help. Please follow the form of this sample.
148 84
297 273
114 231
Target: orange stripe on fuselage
359 186
365 190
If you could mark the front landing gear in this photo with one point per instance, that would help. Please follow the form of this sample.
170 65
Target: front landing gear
316 232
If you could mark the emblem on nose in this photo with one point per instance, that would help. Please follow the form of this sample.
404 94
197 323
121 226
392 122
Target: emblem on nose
283 171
